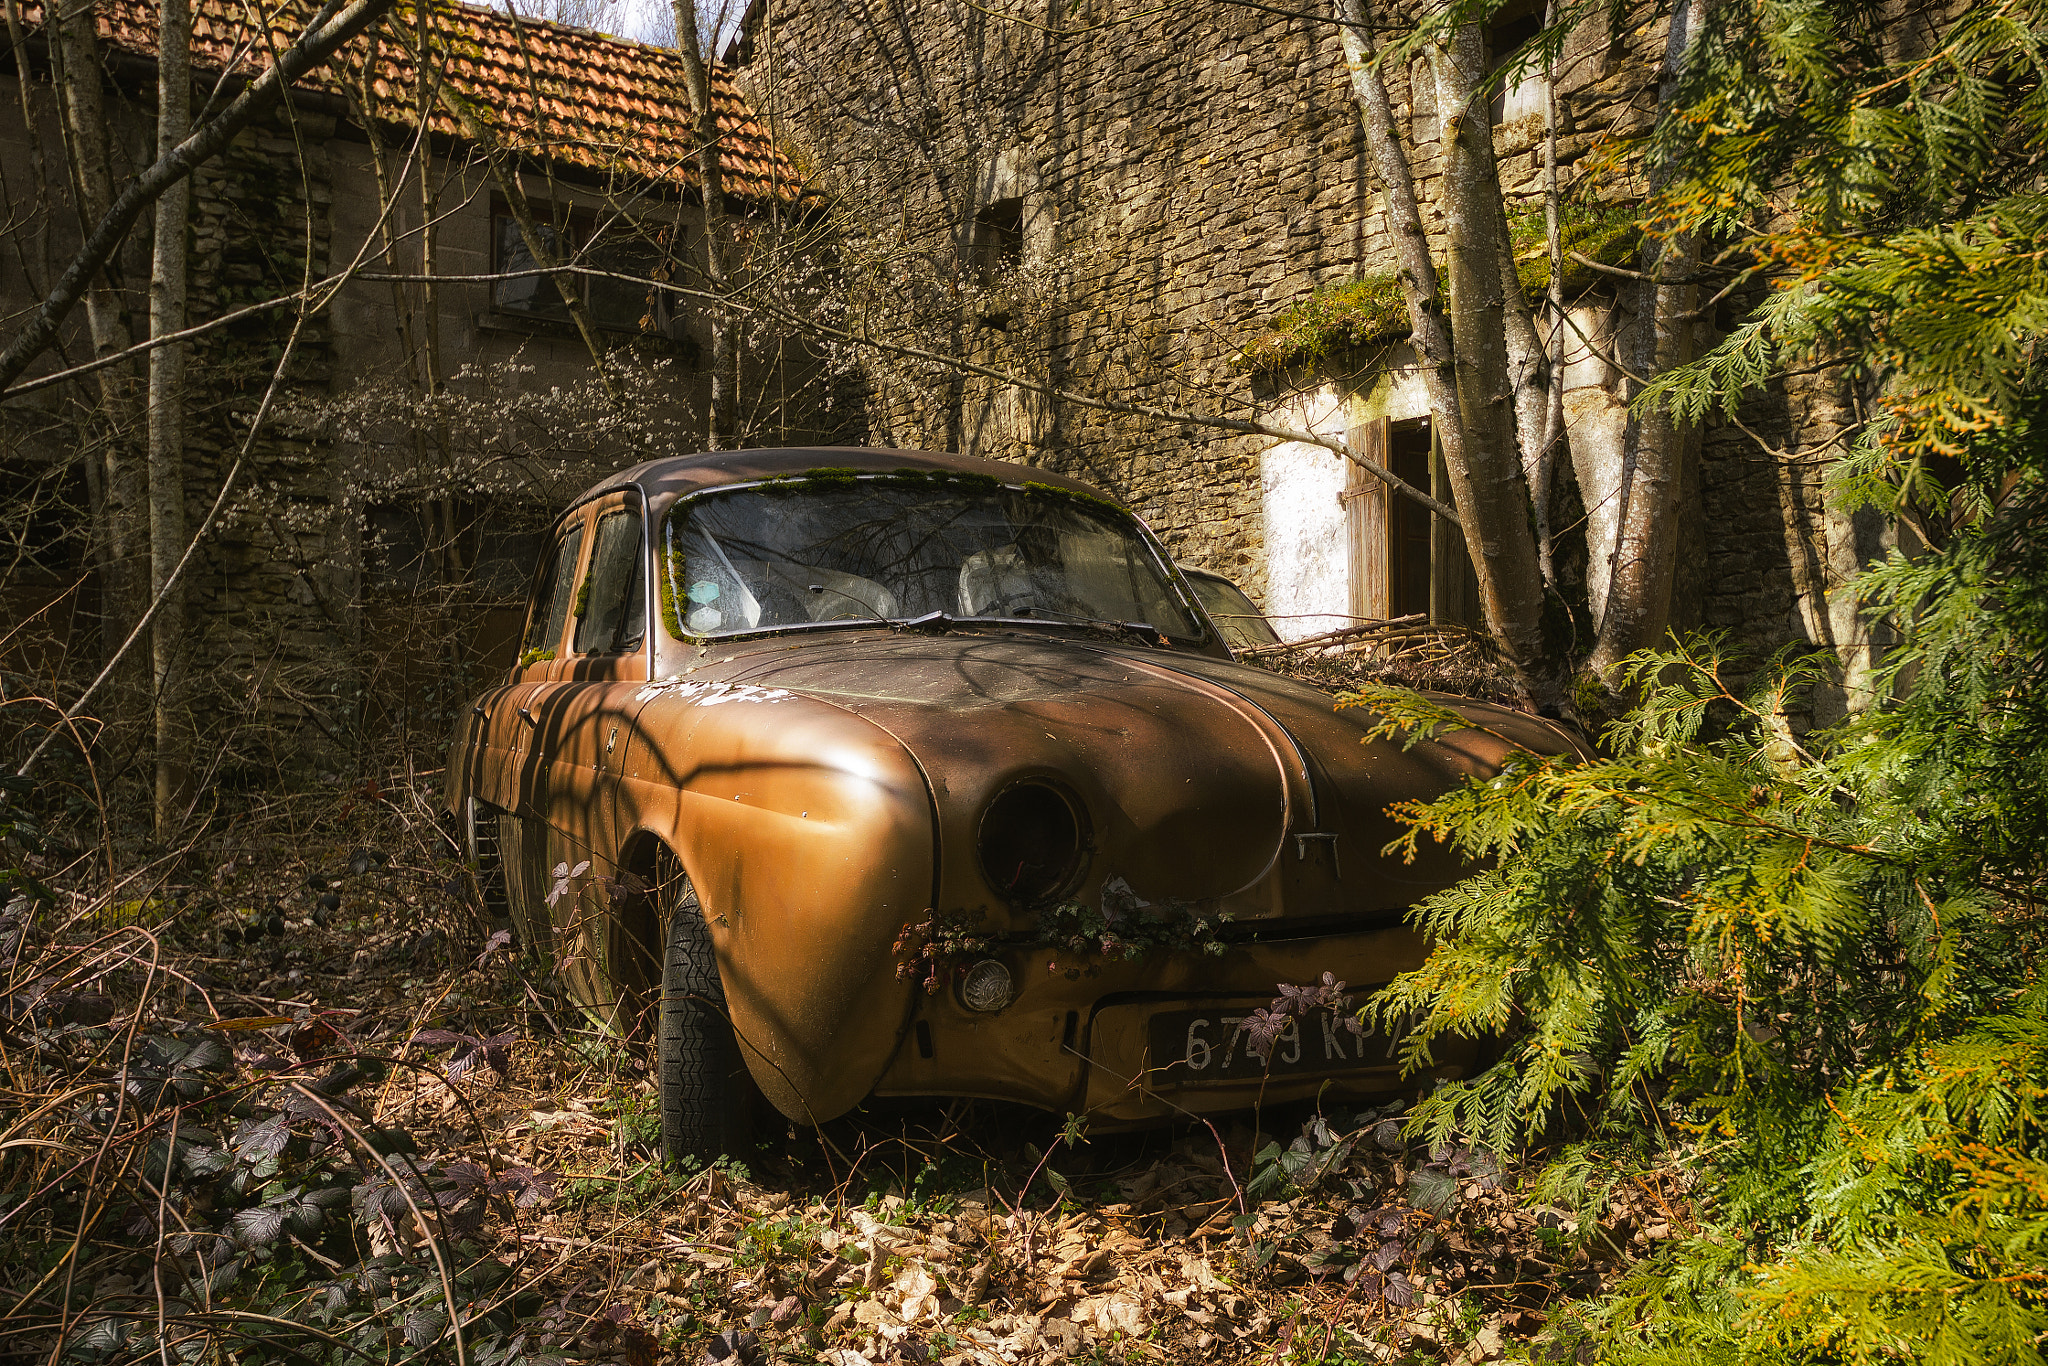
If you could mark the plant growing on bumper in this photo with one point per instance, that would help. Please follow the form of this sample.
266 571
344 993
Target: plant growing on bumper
1125 927
939 947
1264 1027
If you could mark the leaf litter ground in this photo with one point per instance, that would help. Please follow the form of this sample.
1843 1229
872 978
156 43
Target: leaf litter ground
961 1232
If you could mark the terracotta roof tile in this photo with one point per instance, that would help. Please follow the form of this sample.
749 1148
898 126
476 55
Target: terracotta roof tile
546 90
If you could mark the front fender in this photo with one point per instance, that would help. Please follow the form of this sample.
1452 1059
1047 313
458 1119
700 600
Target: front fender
807 833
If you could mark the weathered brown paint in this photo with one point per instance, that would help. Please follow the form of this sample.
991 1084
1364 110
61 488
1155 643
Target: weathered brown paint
824 788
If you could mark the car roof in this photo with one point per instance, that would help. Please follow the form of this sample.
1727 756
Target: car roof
675 475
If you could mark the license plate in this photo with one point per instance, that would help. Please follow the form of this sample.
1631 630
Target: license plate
1193 1046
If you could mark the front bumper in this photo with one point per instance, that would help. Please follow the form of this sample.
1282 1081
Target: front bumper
1075 1038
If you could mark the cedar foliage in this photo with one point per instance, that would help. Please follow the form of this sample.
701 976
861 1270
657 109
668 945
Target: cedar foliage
1808 966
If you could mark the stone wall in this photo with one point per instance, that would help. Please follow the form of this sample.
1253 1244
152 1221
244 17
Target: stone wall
311 640
1184 178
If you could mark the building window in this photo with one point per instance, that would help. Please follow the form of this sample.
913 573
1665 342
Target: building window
1404 560
1524 95
615 305
998 245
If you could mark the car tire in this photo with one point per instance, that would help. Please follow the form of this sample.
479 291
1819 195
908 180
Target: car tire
707 1095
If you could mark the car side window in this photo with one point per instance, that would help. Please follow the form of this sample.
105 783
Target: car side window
611 607
551 605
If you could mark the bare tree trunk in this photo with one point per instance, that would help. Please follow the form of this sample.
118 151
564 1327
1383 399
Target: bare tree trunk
124 569
1548 468
167 314
1655 450
1529 374
1492 483
443 546
710 182
1470 393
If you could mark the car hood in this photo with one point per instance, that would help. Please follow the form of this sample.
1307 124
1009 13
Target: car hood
1200 776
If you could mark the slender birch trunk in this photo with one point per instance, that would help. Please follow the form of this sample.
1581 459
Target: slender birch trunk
167 314
1471 396
1547 477
1531 379
124 568
711 183
1495 406
1655 451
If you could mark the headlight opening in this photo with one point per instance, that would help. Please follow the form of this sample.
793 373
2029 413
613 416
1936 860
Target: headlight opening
1031 842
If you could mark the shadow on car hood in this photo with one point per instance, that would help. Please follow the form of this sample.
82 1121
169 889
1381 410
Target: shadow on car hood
1163 764
1198 774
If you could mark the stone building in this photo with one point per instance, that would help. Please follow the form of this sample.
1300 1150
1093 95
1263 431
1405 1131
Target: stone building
1173 208
376 547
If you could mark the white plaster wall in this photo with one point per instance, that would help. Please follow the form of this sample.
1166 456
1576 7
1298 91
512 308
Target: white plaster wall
1399 394
1308 583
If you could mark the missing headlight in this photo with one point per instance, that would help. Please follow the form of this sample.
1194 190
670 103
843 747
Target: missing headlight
1030 843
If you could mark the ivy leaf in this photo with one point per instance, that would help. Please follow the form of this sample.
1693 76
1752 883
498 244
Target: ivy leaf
101 1335
202 1160
528 1186
258 1139
381 1197
439 1038
303 1217
466 1177
206 1054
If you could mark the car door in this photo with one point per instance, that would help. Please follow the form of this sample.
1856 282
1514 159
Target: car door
603 668
505 716
520 724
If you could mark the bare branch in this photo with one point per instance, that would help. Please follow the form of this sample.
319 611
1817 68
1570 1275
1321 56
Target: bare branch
322 37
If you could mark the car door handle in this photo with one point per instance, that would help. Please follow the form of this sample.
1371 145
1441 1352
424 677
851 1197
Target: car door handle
527 717
477 709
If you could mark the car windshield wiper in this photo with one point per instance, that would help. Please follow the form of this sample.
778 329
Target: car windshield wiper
945 621
930 621
1140 630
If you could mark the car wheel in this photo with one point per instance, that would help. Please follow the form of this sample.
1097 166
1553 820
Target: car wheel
707 1096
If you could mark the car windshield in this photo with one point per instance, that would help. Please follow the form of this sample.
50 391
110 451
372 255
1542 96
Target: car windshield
1238 620
798 552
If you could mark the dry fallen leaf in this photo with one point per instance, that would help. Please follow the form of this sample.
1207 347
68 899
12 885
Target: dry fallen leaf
1112 1314
919 1292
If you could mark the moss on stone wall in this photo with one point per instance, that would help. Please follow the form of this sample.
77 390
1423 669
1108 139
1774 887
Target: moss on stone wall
1369 311
1611 236
1337 318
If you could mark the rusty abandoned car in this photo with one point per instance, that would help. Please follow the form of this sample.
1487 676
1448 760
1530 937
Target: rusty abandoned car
868 772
